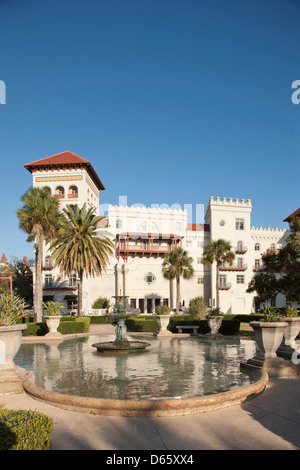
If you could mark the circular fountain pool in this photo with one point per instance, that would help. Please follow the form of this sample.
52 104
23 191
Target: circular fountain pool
169 369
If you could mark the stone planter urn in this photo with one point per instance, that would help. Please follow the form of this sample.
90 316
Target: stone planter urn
268 337
214 323
52 322
288 345
10 341
163 321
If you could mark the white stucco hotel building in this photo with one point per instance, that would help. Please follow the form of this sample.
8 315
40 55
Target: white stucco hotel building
142 237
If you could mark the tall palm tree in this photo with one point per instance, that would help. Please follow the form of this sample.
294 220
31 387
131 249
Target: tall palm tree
220 252
41 219
178 264
81 249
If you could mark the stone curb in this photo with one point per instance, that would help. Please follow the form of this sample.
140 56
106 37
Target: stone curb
150 408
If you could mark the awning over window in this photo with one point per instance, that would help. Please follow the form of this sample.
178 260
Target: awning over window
47 298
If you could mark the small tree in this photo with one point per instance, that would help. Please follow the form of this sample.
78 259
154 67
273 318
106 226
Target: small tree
198 308
82 249
218 251
178 264
281 273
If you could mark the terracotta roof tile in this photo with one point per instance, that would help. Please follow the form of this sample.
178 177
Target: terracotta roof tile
294 214
66 158
198 227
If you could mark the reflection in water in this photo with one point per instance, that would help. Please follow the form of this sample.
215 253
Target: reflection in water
169 368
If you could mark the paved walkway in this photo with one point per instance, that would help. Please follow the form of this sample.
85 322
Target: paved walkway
270 421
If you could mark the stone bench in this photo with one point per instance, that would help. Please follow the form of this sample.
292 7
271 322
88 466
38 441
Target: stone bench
184 327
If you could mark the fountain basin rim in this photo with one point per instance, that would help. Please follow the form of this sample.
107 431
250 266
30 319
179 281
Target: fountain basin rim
122 347
150 408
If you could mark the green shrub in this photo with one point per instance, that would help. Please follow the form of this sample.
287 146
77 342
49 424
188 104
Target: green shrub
96 319
141 324
102 302
24 430
37 329
198 308
11 308
228 327
162 310
79 325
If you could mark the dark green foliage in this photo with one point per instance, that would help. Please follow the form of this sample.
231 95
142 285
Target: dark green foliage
101 303
96 319
24 430
147 324
74 325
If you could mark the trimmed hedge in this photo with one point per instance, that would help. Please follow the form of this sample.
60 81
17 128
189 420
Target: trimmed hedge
230 326
68 325
142 324
24 430
71 325
96 319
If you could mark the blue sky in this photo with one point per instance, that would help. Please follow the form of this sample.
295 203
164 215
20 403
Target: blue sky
172 101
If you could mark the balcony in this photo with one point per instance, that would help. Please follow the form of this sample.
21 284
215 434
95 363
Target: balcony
258 269
234 267
241 250
225 286
73 196
146 244
58 285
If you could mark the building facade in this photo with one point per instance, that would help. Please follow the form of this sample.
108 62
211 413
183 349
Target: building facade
142 237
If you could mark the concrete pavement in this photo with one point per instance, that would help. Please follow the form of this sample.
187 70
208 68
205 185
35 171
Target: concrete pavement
268 422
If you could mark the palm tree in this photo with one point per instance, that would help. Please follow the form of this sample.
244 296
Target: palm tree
220 252
82 249
178 264
41 219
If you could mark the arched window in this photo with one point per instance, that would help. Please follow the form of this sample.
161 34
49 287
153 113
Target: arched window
240 245
143 226
154 227
257 247
48 262
60 192
272 246
73 192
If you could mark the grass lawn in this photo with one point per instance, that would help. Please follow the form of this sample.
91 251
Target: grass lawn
246 329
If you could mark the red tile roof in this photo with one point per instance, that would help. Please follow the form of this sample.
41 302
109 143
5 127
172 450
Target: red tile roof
294 214
3 259
198 227
66 159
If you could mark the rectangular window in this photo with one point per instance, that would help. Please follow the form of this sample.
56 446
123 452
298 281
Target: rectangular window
257 263
132 303
198 260
239 224
189 244
48 280
166 302
222 280
240 262
240 279
73 280
72 304
200 280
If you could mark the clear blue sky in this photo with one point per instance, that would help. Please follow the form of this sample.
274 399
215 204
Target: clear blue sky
172 101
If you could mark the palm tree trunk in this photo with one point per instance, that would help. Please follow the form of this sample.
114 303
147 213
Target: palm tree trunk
38 291
178 294
217 287
80 292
